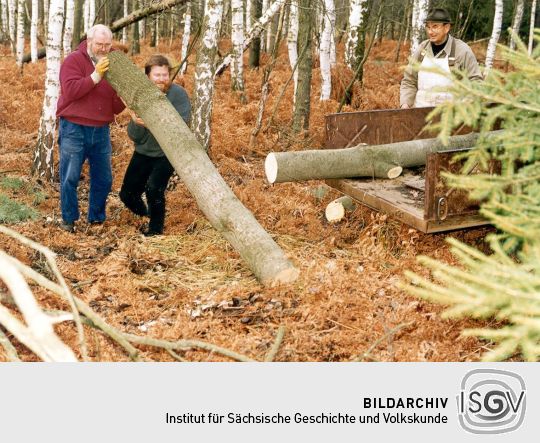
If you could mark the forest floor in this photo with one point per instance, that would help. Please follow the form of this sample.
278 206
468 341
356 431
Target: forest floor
191 284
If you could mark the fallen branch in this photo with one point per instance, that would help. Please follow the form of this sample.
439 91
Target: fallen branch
380 340
277 343
11 352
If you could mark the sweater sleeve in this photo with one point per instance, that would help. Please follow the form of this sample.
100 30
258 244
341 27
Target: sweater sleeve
470 65
73 81
409 84
139 134
118 104
180 101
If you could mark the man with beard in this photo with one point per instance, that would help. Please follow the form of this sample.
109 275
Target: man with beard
86 106
426 86
149 170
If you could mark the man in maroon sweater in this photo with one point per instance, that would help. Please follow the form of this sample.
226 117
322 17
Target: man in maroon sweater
86 106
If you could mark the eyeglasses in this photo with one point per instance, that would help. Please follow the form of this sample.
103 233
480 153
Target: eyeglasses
102 45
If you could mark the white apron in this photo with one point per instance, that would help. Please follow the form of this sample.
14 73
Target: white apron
428 81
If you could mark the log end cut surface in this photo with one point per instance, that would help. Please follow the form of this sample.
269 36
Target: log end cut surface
271 167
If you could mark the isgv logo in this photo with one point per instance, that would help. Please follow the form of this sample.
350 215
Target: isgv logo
491 401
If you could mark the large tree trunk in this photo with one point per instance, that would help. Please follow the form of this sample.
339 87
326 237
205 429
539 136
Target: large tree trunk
12 9
360 161
43 152
5 25
303 93
204 73
20 32
495 34
255 47
33 31
224 211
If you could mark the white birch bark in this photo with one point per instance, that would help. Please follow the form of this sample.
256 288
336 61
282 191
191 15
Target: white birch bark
20 33
12 15
420 10
86 15
157 31
46 16
33 31
356 15
257 28
91 13
495 34
264 34
185 37
516 23
292 41
124 30
68 28
237 37
142 29
531 28
247 21
327 34
43 154
204 73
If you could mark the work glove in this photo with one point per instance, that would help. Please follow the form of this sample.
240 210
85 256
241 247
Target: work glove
102 66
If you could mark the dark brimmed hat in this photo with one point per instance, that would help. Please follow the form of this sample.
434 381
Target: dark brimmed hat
438 15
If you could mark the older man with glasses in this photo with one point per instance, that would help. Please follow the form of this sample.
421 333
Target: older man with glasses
425 86
86 106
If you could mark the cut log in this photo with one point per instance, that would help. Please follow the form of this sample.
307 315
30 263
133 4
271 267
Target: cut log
335 211
216 200
381 161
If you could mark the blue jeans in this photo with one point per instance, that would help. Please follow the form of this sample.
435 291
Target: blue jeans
78 143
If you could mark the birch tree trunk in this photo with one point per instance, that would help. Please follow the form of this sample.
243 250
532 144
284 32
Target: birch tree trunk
329 20
5 20
68 28
255 31
86 15
303 93
237 37
12 9
516 23
124 30
247 22
492 45
264 33
531 28
33 31
185 37
135 40
46 7
204 73
157 31
20 33
91 13
215 199
292 41
419 14
43 164
358 11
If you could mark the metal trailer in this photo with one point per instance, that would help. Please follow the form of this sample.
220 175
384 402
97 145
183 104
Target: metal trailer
419 197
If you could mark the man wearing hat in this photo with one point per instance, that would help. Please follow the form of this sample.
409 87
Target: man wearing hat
422 87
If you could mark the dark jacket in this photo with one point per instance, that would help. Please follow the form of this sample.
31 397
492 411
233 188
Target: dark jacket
81 101
145 143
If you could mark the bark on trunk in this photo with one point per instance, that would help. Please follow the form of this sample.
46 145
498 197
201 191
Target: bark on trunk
327 36
12 9
531 27
516 23
255 47
43 163
420 10
303 93
222 208
20 32
68 28
237 37
77 24
358 161
185 38
496 33
33 31
135 40
204 73
292 41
